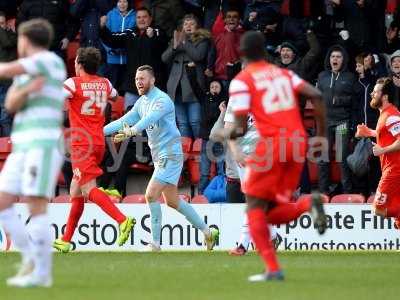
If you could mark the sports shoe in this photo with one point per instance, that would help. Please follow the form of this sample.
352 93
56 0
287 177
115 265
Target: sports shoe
62 246
153 247
238 251
318 213
29 281
125 229
211 240
24 269
113 192
278 276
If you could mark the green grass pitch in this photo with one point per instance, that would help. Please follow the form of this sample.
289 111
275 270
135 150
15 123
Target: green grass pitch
201 275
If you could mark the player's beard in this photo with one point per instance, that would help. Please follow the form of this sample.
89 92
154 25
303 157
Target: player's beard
376 103
144 90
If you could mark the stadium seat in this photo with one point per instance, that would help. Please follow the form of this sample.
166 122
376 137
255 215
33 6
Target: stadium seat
196 147
62 199
325 198
348 198
186 146
5 148
199 199
336 173
371 199
117 108
313 172
134 198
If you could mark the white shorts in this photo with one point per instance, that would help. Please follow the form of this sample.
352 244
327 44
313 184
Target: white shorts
32 173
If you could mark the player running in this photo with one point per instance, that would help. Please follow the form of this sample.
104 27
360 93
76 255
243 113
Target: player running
31 170
87 94
387 133
154 111
273 170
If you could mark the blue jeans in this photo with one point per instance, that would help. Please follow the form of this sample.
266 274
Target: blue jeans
210 152
188 118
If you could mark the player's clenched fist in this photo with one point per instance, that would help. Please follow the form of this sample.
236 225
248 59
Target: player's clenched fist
125 133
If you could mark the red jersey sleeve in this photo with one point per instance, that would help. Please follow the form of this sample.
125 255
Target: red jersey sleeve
239 94
393 125
112 92
69 87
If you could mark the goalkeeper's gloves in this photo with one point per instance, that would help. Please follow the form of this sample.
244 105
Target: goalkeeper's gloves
125 133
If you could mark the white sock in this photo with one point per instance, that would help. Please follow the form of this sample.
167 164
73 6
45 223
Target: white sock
40 233
272 232
14 226
244 239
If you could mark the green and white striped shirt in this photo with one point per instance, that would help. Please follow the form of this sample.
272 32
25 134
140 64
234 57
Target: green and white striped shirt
39 122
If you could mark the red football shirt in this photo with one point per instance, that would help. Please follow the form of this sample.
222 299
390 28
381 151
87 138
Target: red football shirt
387 132
87 97
269 93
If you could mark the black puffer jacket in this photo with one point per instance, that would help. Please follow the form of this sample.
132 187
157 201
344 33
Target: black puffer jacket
56 12
339 91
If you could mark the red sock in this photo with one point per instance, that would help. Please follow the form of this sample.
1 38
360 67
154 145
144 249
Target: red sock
104 202
260 234
286 212
75 213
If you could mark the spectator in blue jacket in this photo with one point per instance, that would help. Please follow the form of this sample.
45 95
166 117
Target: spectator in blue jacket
119 19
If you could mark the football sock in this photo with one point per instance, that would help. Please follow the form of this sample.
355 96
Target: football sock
14 226
105 203
41 236
259 231
75 213
244 239
191 215
393 210
156 218
284 213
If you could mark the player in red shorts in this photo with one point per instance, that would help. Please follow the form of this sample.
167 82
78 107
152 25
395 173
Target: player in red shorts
273 171
387 147
88 95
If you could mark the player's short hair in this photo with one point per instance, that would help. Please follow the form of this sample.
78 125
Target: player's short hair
147 68
252 45
387 86
38 31
89 58
143 8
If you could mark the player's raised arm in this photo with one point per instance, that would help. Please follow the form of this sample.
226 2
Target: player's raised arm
11 69
130 118
16 97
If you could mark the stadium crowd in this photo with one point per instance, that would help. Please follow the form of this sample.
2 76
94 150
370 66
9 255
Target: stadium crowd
341 46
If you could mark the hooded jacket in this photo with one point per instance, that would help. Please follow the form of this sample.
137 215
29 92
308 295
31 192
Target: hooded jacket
339 91
118 23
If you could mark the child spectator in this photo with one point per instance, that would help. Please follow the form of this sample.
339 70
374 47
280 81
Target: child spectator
210 102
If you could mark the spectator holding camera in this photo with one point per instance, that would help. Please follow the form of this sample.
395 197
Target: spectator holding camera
191 44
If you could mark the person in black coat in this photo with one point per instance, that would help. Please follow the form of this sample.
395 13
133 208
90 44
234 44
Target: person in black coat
210 101
57 13
144 45
339 93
